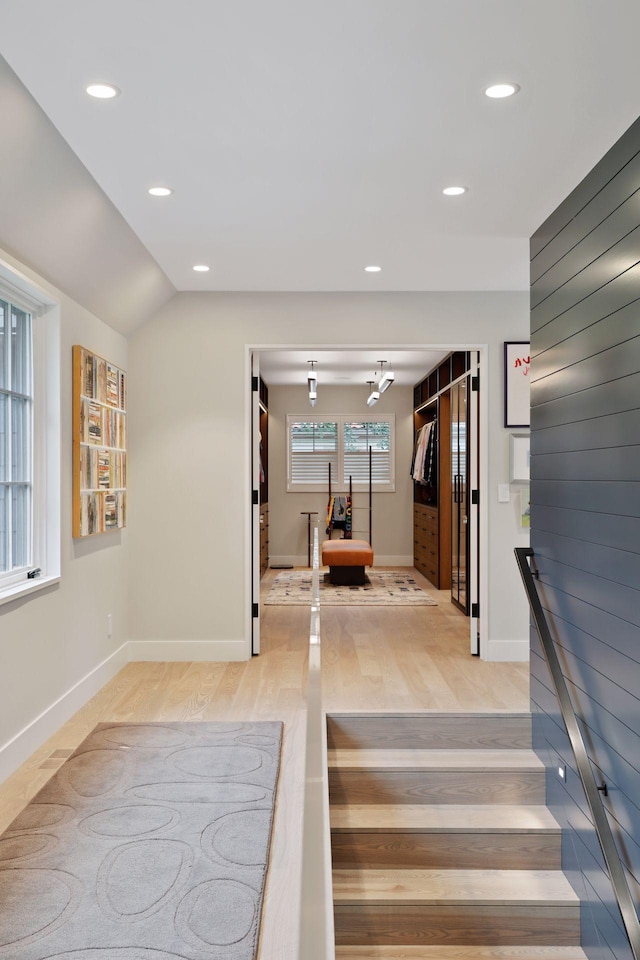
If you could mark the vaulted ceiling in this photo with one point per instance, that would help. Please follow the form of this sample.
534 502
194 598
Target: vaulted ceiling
305 141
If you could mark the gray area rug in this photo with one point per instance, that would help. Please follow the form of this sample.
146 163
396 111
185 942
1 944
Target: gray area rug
151 842
382 588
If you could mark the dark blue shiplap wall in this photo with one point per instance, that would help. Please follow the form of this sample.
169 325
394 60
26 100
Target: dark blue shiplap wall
585 514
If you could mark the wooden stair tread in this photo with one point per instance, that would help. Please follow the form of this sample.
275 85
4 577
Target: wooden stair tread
442 818
420 878
459 952
453 887
467 760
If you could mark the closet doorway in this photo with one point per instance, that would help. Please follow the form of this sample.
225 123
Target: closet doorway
447 482
262 360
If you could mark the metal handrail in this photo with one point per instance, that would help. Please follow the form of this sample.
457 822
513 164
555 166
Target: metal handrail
619 882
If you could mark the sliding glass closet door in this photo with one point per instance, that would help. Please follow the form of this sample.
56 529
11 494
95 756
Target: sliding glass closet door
459 496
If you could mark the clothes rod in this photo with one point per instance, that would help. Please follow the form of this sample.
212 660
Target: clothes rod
427 404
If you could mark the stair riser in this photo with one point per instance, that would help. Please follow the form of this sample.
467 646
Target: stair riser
380 786
408 924
453 952
462 851
428 732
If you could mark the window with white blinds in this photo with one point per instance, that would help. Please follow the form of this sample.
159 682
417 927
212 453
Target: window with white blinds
313 445
357 438
314 442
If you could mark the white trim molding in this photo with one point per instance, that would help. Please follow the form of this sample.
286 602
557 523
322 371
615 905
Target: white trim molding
515 651
20 747
176 651
25 587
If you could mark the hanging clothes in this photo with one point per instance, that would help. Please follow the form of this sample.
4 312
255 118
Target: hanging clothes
423 465
422 439
339 514
330 514
430 459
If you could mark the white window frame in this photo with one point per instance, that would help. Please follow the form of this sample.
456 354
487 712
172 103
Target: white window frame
338 484
23 396
45 473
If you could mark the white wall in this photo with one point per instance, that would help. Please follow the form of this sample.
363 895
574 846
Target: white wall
57 220
508 609
189 476
392 513
52 640
177 574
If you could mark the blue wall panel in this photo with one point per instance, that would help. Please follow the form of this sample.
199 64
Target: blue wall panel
585 516
619 294
591 557
608 399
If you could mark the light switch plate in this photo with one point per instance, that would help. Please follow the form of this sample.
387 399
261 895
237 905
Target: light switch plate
504 493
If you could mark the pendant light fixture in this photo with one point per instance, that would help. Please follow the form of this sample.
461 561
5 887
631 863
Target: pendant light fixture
386 377
312 383
374 395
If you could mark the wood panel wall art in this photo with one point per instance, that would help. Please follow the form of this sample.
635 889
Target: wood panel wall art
99 444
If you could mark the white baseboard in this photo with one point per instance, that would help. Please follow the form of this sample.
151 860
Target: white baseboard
288 561
516 651
30 738
197 650
23 744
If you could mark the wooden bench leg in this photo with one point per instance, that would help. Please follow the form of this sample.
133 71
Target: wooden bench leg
347 576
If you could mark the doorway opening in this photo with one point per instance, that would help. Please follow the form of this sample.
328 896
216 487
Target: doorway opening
272 367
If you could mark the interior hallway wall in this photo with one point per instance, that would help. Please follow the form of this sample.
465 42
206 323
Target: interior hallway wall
585 515
57 636
392 513
189 463
57 221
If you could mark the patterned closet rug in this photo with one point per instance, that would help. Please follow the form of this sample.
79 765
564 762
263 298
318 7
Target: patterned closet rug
383 588
151 841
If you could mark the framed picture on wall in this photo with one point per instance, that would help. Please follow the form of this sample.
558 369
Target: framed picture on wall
99 444
517 362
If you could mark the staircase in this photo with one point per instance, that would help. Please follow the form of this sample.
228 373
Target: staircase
442 846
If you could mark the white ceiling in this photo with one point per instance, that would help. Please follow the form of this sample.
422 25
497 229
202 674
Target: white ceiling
305 140
347 367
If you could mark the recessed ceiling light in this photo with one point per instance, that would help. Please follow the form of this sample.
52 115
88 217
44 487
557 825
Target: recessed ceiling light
160 191
102 91
454 191
498 91
201 268
373 269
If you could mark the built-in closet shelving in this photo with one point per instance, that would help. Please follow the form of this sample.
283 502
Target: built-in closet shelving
432 502
264 483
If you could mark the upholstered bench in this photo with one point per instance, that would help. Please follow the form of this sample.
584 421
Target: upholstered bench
346 560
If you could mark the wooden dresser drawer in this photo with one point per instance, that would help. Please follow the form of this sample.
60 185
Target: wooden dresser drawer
426 542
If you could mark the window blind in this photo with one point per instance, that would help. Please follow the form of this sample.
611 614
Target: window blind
313 446
357 438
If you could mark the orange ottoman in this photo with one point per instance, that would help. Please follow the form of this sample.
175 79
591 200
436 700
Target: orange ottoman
346 560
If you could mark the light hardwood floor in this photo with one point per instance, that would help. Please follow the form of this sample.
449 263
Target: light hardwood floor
374 659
